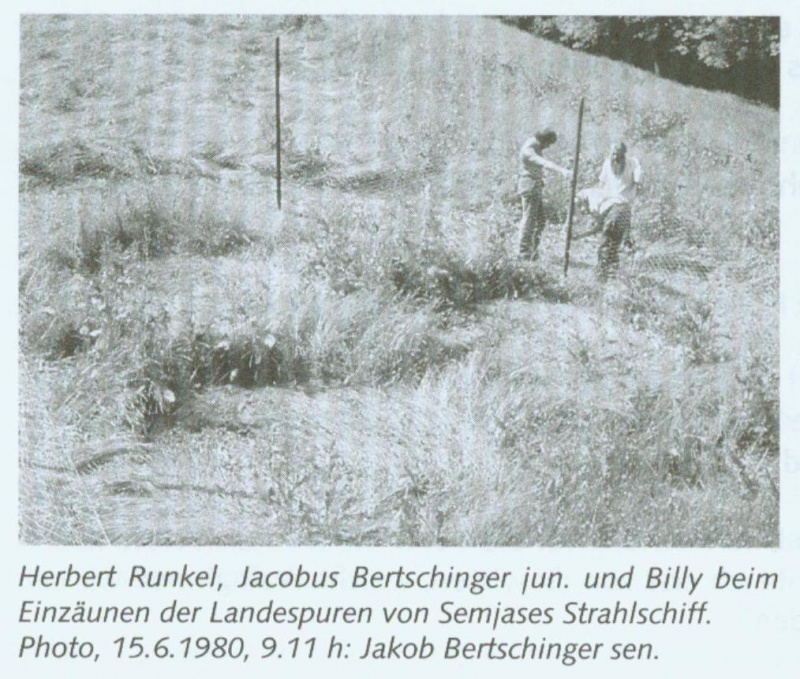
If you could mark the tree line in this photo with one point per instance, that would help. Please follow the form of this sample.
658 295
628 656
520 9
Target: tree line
735 54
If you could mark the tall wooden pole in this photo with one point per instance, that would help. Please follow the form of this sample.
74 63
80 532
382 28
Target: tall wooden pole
278 120
571 210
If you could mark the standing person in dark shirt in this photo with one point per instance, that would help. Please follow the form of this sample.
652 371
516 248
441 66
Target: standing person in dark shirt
529 187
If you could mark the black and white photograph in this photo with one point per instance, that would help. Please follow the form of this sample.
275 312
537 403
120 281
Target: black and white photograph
399 280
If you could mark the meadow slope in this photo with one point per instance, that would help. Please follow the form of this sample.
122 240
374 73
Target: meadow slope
372 365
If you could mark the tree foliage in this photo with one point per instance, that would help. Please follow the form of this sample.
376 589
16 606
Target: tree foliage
739 54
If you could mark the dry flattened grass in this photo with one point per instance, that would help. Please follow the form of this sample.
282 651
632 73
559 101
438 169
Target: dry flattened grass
461 458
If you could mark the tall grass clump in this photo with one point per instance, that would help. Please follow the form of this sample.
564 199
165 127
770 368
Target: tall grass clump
81 159
291 333
147 223
71 159
634 476
53 426
454 267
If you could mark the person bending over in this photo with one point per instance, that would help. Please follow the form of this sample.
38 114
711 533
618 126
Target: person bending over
610 203
530 185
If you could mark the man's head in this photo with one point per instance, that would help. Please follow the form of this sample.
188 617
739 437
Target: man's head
546 137
617 155
618 150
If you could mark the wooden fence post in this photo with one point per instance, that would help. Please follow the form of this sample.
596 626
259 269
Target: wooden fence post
571 210
278 120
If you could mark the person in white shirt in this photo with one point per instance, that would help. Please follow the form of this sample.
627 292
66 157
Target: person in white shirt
610 202
529 187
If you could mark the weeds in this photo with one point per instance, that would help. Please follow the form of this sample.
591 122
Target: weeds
168 356
455 283
755 422
658 123
355 253
695 328
74 158
147 225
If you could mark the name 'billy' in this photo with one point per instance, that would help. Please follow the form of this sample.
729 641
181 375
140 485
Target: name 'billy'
674 577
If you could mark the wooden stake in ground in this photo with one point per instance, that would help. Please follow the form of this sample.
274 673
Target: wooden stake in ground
278 120
571 210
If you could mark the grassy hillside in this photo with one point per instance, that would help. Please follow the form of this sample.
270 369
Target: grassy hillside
373 365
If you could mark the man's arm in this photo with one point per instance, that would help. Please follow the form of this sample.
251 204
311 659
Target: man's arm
637 173
604 172
578 236
557 168
534 157
597 227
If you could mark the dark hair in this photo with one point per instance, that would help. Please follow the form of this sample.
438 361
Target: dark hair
546 137
620 148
